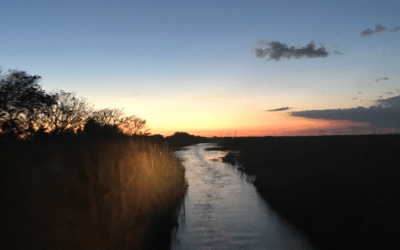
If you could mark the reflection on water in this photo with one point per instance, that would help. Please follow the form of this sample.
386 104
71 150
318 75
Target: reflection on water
223 211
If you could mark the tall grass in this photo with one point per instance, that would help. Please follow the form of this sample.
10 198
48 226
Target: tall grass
342 191
87 193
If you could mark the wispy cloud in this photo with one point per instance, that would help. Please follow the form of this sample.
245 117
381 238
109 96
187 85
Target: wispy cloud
379 28
383 78
279 109
384 114
337 52
277 50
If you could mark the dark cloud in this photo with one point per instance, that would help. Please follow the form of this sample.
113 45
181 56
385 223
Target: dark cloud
277 50
355 98
279 109
378 28
390 93
389 102
383 78
360 92
385 114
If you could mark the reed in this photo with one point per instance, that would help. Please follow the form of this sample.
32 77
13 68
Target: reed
341 191
87 193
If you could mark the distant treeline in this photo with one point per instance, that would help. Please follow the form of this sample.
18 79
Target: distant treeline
342 191
183 139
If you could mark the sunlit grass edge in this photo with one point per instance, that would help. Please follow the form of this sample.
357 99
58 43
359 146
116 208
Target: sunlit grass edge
87 194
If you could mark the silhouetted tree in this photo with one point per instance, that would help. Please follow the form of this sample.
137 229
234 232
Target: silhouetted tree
91 125
69 112
108 116
94 129
23 104
131 125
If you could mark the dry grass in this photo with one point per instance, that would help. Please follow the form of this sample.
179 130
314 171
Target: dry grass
87 194
342 191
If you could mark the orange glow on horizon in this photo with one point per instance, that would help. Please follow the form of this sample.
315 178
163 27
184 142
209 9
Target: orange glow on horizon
293 126
226 113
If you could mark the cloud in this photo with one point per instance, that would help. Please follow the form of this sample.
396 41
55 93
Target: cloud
383 78
389 102
336 51
277 50
385 114
279 109
379 28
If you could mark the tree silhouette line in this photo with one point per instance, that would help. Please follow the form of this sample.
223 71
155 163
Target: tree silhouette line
27 111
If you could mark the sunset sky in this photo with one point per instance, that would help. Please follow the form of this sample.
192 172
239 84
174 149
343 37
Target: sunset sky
193 65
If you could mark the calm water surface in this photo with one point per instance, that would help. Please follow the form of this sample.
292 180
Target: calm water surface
223 211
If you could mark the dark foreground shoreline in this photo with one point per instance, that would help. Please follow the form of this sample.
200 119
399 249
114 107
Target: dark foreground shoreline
89 192
343 192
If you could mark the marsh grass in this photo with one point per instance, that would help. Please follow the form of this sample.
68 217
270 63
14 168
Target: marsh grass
342 191
86 193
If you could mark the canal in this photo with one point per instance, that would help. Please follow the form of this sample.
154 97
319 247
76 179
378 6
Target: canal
222 210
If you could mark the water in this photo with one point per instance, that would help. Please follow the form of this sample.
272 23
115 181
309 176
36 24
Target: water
223 211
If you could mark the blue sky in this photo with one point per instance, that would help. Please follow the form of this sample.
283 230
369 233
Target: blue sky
191 66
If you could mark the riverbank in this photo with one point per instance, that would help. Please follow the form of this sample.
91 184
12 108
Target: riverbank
342 191
88 192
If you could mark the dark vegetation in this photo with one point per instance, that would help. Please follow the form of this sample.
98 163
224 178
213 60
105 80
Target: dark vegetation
342 191
179 140
95 190
26 110
75 178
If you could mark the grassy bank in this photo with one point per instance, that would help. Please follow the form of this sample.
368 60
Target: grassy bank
88 192
342 191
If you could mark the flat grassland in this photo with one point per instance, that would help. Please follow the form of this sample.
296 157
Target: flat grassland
343 192
88 193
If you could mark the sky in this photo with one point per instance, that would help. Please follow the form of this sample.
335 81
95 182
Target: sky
217 68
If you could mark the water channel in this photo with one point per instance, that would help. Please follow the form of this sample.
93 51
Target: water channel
224 211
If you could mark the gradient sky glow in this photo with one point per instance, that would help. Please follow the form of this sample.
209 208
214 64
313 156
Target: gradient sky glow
191 66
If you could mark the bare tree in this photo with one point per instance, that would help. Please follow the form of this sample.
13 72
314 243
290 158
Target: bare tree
69 112
108 116
131 125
